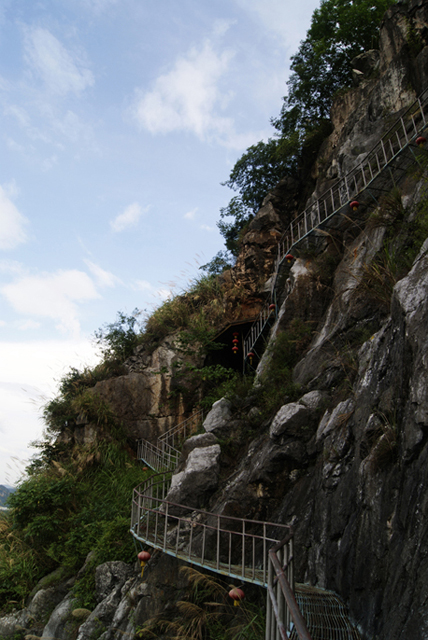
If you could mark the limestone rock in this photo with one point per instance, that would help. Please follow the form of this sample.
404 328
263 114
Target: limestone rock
199 477
218 417
60 625
195 442
109 576
292 419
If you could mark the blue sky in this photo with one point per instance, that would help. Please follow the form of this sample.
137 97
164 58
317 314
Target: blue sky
119 120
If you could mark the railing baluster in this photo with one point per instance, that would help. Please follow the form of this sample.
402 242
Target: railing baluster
177 537
218 543
166 527
191 539
230 551
243 549
203 544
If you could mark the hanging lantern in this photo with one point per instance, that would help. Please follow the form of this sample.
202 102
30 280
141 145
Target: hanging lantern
251 356
143 557
289 257
354 205
420 141
235 342
272 307
237 595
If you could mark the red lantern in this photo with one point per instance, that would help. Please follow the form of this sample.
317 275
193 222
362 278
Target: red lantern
143 557
237 595
289 257
420 141
251 356
354 205
235 342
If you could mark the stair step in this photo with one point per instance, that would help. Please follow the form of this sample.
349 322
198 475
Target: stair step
325 614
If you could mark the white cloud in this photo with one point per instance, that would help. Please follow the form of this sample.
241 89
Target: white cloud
11 267
50 60
52 295
103 278
12 223
142 285
190 215
24 389
205 227
185 99
28 324
129 218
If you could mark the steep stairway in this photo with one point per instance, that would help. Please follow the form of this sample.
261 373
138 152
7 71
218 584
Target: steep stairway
382 168
247 550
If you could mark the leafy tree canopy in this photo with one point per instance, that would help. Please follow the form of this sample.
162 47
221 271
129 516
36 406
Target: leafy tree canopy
339 31
257 171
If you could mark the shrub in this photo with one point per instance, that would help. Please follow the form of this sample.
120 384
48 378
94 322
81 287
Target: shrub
62 512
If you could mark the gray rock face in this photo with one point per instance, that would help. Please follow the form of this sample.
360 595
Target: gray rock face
10 624
195 442
292 419
218 417
60 625
199 477
110 576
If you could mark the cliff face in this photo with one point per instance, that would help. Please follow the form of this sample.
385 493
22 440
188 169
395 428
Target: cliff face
346 461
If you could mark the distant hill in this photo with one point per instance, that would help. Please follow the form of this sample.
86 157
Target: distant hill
4 493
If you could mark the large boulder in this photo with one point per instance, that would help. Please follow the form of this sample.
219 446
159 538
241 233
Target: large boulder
293 419
218 418
199 478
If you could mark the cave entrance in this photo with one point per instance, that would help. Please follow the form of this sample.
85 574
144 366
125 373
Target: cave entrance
224 355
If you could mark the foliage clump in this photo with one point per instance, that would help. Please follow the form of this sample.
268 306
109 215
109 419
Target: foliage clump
62 512
340 30
206 614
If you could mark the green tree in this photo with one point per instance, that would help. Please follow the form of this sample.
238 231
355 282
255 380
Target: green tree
118 339
339 31
256 172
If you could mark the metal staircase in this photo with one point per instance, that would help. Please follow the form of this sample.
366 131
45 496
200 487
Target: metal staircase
382 168
250 550
244 549
164 455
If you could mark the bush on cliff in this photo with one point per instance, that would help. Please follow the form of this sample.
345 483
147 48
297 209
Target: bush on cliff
73 501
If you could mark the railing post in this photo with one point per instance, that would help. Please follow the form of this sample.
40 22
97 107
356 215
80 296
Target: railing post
269 612
243 549
218 543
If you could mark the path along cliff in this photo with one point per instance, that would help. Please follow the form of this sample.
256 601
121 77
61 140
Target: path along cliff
339 448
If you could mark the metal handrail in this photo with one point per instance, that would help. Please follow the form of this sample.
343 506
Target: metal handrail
281 595
165 459
232 546
336 199
181 430
164 455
